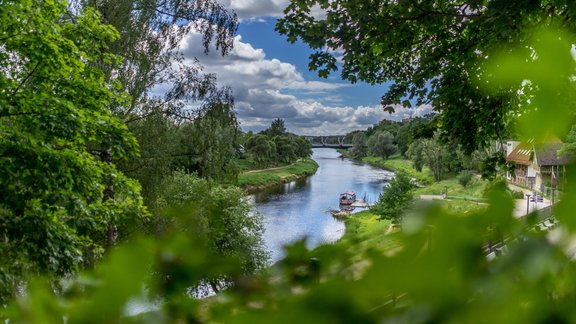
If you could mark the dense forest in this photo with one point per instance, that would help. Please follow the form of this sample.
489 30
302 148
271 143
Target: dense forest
111 193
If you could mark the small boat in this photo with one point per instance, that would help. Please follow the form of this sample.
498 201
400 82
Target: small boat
347 198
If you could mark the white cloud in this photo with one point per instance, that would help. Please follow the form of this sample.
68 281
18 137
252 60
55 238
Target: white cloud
265 89
256 9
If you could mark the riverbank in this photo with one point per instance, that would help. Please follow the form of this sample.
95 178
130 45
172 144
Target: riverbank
255 180
396 163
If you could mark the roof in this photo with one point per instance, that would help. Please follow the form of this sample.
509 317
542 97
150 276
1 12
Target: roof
547 154
522 154
543 154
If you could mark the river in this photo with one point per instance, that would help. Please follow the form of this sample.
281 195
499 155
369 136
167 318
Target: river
299 209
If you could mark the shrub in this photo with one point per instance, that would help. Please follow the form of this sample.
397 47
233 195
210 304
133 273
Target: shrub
464 178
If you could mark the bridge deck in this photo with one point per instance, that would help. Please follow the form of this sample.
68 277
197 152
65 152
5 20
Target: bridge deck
332 145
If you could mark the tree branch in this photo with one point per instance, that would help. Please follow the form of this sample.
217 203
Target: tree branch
25 79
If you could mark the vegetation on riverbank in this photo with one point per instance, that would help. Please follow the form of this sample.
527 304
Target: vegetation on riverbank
396 163
461 199
254 180
365 231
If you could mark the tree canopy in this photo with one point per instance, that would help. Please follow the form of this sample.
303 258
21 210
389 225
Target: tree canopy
59 195
433 51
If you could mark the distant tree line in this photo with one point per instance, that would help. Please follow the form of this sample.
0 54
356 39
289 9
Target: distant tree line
418 140
275 146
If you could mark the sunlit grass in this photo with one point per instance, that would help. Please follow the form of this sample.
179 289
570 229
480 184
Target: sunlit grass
396 163
277 175
365 231
474 189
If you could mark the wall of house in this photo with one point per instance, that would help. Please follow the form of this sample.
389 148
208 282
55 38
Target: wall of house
510 146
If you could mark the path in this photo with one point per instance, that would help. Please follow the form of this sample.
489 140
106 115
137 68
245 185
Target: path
269 169
522 206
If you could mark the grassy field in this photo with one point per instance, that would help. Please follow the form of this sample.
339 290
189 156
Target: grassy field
473 190
364 231
252 180
396 163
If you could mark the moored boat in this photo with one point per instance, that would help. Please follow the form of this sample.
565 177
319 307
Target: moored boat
347 198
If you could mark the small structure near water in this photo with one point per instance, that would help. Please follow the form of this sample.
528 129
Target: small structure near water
347 198
348 202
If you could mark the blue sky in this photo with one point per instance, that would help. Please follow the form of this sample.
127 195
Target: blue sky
270 79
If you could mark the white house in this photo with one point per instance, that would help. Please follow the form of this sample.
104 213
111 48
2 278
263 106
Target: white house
537 164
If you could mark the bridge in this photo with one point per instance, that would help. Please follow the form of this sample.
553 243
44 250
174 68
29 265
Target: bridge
331 141
346 146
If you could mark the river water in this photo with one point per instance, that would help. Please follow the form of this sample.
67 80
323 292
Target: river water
300 209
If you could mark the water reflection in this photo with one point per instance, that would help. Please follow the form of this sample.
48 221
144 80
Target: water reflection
300 208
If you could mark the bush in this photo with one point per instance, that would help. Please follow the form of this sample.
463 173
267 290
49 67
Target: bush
397 197
464 178
517 194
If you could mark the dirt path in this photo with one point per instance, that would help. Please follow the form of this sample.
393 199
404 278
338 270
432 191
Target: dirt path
269 169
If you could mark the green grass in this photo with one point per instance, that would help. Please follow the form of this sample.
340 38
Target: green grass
251 180
473 190
396 163
365 231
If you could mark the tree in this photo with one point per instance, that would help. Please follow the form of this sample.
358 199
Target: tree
220 217
396 198
215 139
431 153
285 148
303 147
403 138
464 178
416 155
569 148
277 128
359 147
262 150
57 140
433 52
382 144
435 156
151 32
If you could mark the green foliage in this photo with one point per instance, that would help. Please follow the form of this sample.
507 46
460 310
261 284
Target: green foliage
277 128
465 177
61 199
274 146
277 175
437 270
262 150
219 216
359 147
432 153
382 145
395 199
432 52
405 166
151 34
214 139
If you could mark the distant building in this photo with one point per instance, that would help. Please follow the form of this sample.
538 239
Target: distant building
537 164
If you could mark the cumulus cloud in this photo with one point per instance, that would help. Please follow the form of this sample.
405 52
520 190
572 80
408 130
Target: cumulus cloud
265 89
257 9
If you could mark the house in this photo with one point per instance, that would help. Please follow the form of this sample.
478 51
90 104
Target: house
537 165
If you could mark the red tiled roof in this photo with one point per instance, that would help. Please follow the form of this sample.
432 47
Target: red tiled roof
521 154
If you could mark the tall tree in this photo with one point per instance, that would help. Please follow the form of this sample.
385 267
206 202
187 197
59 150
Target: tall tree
262 149
432 50
151 32
382 144
359 147
55 205
277 128
221 219
215 138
